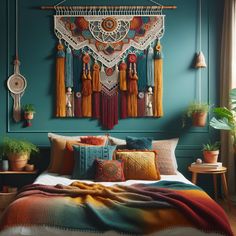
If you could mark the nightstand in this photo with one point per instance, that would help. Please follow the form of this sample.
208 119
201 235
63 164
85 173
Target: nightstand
16 179
214 172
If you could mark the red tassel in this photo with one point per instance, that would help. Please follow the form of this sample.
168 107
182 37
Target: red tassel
116 109
141 104
123 100
96 105
78 105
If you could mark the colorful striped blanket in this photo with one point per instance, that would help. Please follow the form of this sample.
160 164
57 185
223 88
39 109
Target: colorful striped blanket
135 209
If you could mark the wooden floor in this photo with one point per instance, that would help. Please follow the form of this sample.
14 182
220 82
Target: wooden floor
231 215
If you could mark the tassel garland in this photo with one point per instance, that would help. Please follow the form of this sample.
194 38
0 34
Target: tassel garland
60 82
142 75
158 78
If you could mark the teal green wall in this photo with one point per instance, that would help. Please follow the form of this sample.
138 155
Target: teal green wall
37 43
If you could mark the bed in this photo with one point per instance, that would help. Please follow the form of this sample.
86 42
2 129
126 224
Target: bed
14 220
127 187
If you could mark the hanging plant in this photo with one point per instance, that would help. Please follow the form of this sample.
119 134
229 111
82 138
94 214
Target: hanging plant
29 111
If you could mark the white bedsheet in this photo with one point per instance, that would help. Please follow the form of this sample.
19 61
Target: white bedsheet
53 179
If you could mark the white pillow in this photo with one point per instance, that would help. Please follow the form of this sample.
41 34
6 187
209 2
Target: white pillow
166 160
53 136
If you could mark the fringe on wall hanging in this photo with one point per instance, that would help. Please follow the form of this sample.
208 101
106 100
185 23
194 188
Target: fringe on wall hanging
119 65
60 82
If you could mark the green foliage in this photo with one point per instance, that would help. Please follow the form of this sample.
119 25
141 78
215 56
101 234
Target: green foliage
29 108
197 107
211 146
14 146
225 119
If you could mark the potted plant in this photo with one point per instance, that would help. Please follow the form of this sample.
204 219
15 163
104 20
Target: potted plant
211 152
29 111
18 152
198 113
225 119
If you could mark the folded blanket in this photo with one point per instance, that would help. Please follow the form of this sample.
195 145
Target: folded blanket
136 209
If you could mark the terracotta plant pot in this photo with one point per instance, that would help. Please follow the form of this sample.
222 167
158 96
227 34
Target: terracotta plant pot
18 161
199 119
211 156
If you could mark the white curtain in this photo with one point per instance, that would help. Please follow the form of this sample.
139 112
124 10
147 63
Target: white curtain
228 81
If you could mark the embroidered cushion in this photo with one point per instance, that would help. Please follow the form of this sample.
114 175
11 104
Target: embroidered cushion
167 163
109 170
84 160
139 143
139 165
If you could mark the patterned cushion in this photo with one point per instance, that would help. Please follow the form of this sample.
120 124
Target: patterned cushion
167 163
139 143
139 164
109 171
84 160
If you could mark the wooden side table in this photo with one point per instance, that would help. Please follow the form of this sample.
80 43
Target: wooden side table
214 172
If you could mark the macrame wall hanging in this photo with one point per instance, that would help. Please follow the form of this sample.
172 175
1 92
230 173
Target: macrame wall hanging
109 62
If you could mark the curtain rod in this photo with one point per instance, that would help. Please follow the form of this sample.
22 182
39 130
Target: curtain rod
106 7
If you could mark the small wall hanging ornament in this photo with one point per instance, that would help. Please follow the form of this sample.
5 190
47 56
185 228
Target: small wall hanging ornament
111 37
16 83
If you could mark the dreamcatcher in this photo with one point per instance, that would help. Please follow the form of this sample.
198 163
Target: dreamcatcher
117 45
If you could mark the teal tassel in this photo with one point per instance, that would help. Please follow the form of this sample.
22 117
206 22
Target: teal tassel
69 73
150 67
142 76
77 70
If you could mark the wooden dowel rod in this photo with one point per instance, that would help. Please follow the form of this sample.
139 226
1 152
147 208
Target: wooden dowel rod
107 7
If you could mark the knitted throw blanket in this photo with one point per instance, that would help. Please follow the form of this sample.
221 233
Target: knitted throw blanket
136 209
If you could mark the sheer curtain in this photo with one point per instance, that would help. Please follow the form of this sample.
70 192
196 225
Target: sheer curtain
228 81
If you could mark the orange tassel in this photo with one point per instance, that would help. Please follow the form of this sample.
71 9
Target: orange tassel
158 89
96 78
60 82
123 82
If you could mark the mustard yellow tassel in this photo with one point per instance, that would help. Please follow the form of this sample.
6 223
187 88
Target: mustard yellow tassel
96 78
158 80
60 82
123 82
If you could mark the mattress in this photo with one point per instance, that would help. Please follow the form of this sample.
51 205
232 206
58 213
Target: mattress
53 179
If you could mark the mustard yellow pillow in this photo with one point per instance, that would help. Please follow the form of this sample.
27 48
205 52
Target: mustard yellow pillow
139 165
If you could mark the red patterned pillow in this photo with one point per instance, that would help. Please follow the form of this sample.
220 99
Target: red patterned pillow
94 140
109 170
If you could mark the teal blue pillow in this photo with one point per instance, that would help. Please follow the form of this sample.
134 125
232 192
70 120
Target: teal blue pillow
85 157
139 143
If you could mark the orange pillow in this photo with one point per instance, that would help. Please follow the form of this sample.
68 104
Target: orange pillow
139 165
68 159
94 140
